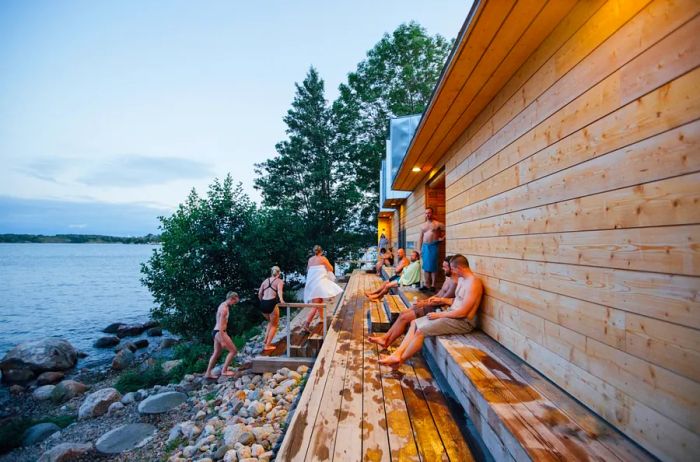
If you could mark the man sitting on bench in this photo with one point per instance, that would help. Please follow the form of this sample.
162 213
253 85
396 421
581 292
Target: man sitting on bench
421 308
409 275
460 317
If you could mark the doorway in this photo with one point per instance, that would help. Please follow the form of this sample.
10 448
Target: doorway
435 198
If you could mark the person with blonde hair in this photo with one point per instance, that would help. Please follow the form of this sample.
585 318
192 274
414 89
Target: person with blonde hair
221 339
270 294
320 283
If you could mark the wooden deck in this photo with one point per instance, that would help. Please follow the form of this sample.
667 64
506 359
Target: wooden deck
354 409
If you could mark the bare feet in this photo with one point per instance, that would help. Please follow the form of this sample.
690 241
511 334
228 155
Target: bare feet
228 374
210 377
391 360
378 341
269 348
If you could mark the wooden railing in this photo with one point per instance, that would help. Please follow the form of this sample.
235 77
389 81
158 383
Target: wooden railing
289 306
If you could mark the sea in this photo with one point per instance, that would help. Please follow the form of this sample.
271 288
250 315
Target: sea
72 291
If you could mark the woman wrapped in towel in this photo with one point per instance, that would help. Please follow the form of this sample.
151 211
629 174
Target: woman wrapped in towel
320 283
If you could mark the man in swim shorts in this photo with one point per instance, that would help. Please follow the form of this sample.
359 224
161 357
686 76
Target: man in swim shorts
432 232
221 339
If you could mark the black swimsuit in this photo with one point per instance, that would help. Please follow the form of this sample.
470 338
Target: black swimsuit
268 306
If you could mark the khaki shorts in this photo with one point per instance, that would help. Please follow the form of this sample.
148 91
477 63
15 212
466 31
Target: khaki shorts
444 326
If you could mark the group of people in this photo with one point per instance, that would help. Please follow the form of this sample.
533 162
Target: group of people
320 285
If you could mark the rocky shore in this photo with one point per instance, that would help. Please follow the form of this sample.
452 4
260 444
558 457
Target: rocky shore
239 418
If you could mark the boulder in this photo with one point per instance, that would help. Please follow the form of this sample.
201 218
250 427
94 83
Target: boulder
125 438
126 346
97 403
67 390
16 389
106 342
232 433
141 343
82 354
17 376
162 402
47 354
130 330
38 433
150 324
113 328
115 408
168 366
154 332
122 360
50 377
168 342
43 393
129 398
65 452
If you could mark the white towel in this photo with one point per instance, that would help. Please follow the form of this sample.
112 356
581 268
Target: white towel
319 284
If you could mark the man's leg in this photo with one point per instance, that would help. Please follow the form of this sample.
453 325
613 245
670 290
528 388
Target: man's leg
432 279
228 344
395 357
214 357
396 330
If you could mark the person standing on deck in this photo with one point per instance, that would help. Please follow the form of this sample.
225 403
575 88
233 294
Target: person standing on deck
221 339
270 294
431 234
460 317
320 283
383 242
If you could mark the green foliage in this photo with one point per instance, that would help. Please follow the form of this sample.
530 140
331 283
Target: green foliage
12 430
207 249
174 444
133 379
195 357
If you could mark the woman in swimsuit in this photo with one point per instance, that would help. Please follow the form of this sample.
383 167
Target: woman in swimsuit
270 294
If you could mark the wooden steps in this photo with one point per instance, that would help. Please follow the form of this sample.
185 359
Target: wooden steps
410 295
394 306
378 319
387 272
517 412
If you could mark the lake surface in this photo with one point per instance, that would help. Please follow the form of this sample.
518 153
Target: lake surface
71 291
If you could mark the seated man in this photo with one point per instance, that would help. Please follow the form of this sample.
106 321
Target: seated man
409 275
421 308
400 265
460 317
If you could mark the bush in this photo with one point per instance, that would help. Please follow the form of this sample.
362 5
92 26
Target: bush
12 430
134 380
195 357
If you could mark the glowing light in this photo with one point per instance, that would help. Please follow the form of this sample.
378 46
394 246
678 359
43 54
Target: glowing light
415 169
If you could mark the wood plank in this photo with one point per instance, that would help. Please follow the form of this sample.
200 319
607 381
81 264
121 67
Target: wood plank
375 439
452 439
669 154
401 440
662 249
384 322
661 296
671 201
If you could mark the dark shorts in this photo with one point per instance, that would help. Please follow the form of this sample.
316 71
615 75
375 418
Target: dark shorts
268 306
213 334
395 277
424 309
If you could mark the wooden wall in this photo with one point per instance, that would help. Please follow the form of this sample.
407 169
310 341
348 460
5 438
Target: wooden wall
575 195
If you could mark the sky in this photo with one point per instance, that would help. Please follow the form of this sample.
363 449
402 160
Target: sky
112 111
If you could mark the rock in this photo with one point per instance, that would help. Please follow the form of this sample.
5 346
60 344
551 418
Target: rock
65 452
162 402
168 342
113 328
17 376
141 343
244 453
122 360
67 390
97 403
246 438
257 450
262 433
235 405
125 438
82 354
129 398
294 375
150 324
44 392
189 429
205 459
38 433
106 342
284 387
231 456
220 452
130 330
200 415
303 369
256 408
154 332
168 366
47 354
49 377
126 346
115 408
232 433
174 433
189 451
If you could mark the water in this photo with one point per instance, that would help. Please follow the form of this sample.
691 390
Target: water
71 291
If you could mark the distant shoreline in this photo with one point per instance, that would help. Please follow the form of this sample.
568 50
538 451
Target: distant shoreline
76 239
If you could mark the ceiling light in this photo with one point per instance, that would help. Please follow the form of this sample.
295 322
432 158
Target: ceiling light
416 169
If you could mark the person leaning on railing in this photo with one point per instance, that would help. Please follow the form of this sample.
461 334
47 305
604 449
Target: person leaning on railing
444 297
270 293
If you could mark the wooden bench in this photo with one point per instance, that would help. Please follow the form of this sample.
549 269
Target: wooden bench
387 272
394 306
378 319
518 413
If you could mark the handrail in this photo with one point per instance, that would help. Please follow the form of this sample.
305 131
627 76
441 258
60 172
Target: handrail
289 319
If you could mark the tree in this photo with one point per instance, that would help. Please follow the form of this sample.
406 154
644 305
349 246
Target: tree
396 79
206 250
305 185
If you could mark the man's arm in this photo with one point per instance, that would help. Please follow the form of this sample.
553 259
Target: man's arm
402 265
441 231
420 238
470 305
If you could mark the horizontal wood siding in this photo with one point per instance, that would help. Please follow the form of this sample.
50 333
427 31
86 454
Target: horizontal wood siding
575 195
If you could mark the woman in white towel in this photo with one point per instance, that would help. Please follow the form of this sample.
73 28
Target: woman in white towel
320 283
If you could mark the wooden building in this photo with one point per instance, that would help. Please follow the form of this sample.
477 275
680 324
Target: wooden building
561 147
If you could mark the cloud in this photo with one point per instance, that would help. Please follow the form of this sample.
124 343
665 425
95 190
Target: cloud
40 216
131 170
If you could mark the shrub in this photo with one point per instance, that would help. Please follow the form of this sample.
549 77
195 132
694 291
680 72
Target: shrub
133 379
12 430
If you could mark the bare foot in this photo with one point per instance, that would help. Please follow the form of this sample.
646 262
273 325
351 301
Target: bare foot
269 348
211 377
378 341
228 374
390 360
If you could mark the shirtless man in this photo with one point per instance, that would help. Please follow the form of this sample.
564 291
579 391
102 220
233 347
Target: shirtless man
221 338
431 234
421 308
400 265
460 317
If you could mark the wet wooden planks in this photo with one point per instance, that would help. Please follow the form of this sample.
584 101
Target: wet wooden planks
354 409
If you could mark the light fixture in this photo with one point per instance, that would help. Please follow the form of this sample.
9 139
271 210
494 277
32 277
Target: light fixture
415 169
